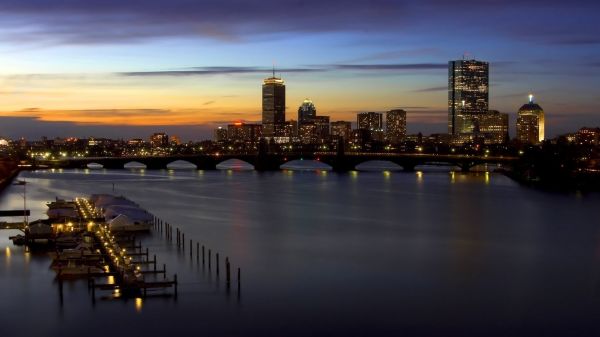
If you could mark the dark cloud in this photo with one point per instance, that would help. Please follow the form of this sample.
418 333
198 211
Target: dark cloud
200 71
386 67
118 21
101 21
432 89
203 71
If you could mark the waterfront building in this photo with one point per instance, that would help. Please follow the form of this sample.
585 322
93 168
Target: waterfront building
244 133
306 112
395 126
273 106
530 123
588 136
341 129
359 139
159 139
220 135
468 94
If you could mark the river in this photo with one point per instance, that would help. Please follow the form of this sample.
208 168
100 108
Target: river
429 253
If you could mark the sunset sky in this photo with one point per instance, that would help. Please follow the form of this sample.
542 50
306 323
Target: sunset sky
125 69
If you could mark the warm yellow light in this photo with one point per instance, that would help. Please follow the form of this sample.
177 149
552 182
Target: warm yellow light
8 252
138 304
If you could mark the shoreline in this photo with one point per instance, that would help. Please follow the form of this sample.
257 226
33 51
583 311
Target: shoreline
8 172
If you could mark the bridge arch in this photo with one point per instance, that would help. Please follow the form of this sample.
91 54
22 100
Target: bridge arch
94 166
181 164
135 165
378 165
437 167
234 164
305 165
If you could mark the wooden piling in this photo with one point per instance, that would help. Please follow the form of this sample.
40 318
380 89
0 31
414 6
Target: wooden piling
191 249
209 258
183 242
227 272
202 255
197 251
239 279
217 260
175 283
154 262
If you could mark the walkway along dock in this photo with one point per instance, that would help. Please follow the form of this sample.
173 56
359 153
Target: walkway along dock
128 275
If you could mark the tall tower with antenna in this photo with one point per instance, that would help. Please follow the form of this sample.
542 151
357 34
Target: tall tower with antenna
468 94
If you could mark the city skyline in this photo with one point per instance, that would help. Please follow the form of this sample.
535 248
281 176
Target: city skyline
162 70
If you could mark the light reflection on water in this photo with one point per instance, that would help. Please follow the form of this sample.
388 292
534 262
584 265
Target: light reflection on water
431 252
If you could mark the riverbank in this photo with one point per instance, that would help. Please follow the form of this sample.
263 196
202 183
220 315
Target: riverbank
8 171
586 182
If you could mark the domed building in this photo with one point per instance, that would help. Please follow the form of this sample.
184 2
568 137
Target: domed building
530 123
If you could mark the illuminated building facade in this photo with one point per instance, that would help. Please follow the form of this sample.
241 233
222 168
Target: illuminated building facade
530 123
244 133
273 106
395 126
341 129
492 127
372 121
159 139
290 129
306 112
220 135
307 133
468 94
588 136
322 127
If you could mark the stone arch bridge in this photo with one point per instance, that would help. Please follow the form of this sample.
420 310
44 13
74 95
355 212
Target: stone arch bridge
266 162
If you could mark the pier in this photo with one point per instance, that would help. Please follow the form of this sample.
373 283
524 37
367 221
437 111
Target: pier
86 247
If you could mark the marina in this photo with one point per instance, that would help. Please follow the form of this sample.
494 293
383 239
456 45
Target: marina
94 239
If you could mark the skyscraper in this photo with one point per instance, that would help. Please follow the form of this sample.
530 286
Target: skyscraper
395 125
372 121
530 123
273 100
306 112
468 94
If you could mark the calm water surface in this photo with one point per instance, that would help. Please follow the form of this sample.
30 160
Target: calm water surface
326 254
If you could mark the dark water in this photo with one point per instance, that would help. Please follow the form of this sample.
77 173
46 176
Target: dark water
326 254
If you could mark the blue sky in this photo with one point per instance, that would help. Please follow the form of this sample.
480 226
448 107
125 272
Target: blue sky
122 69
